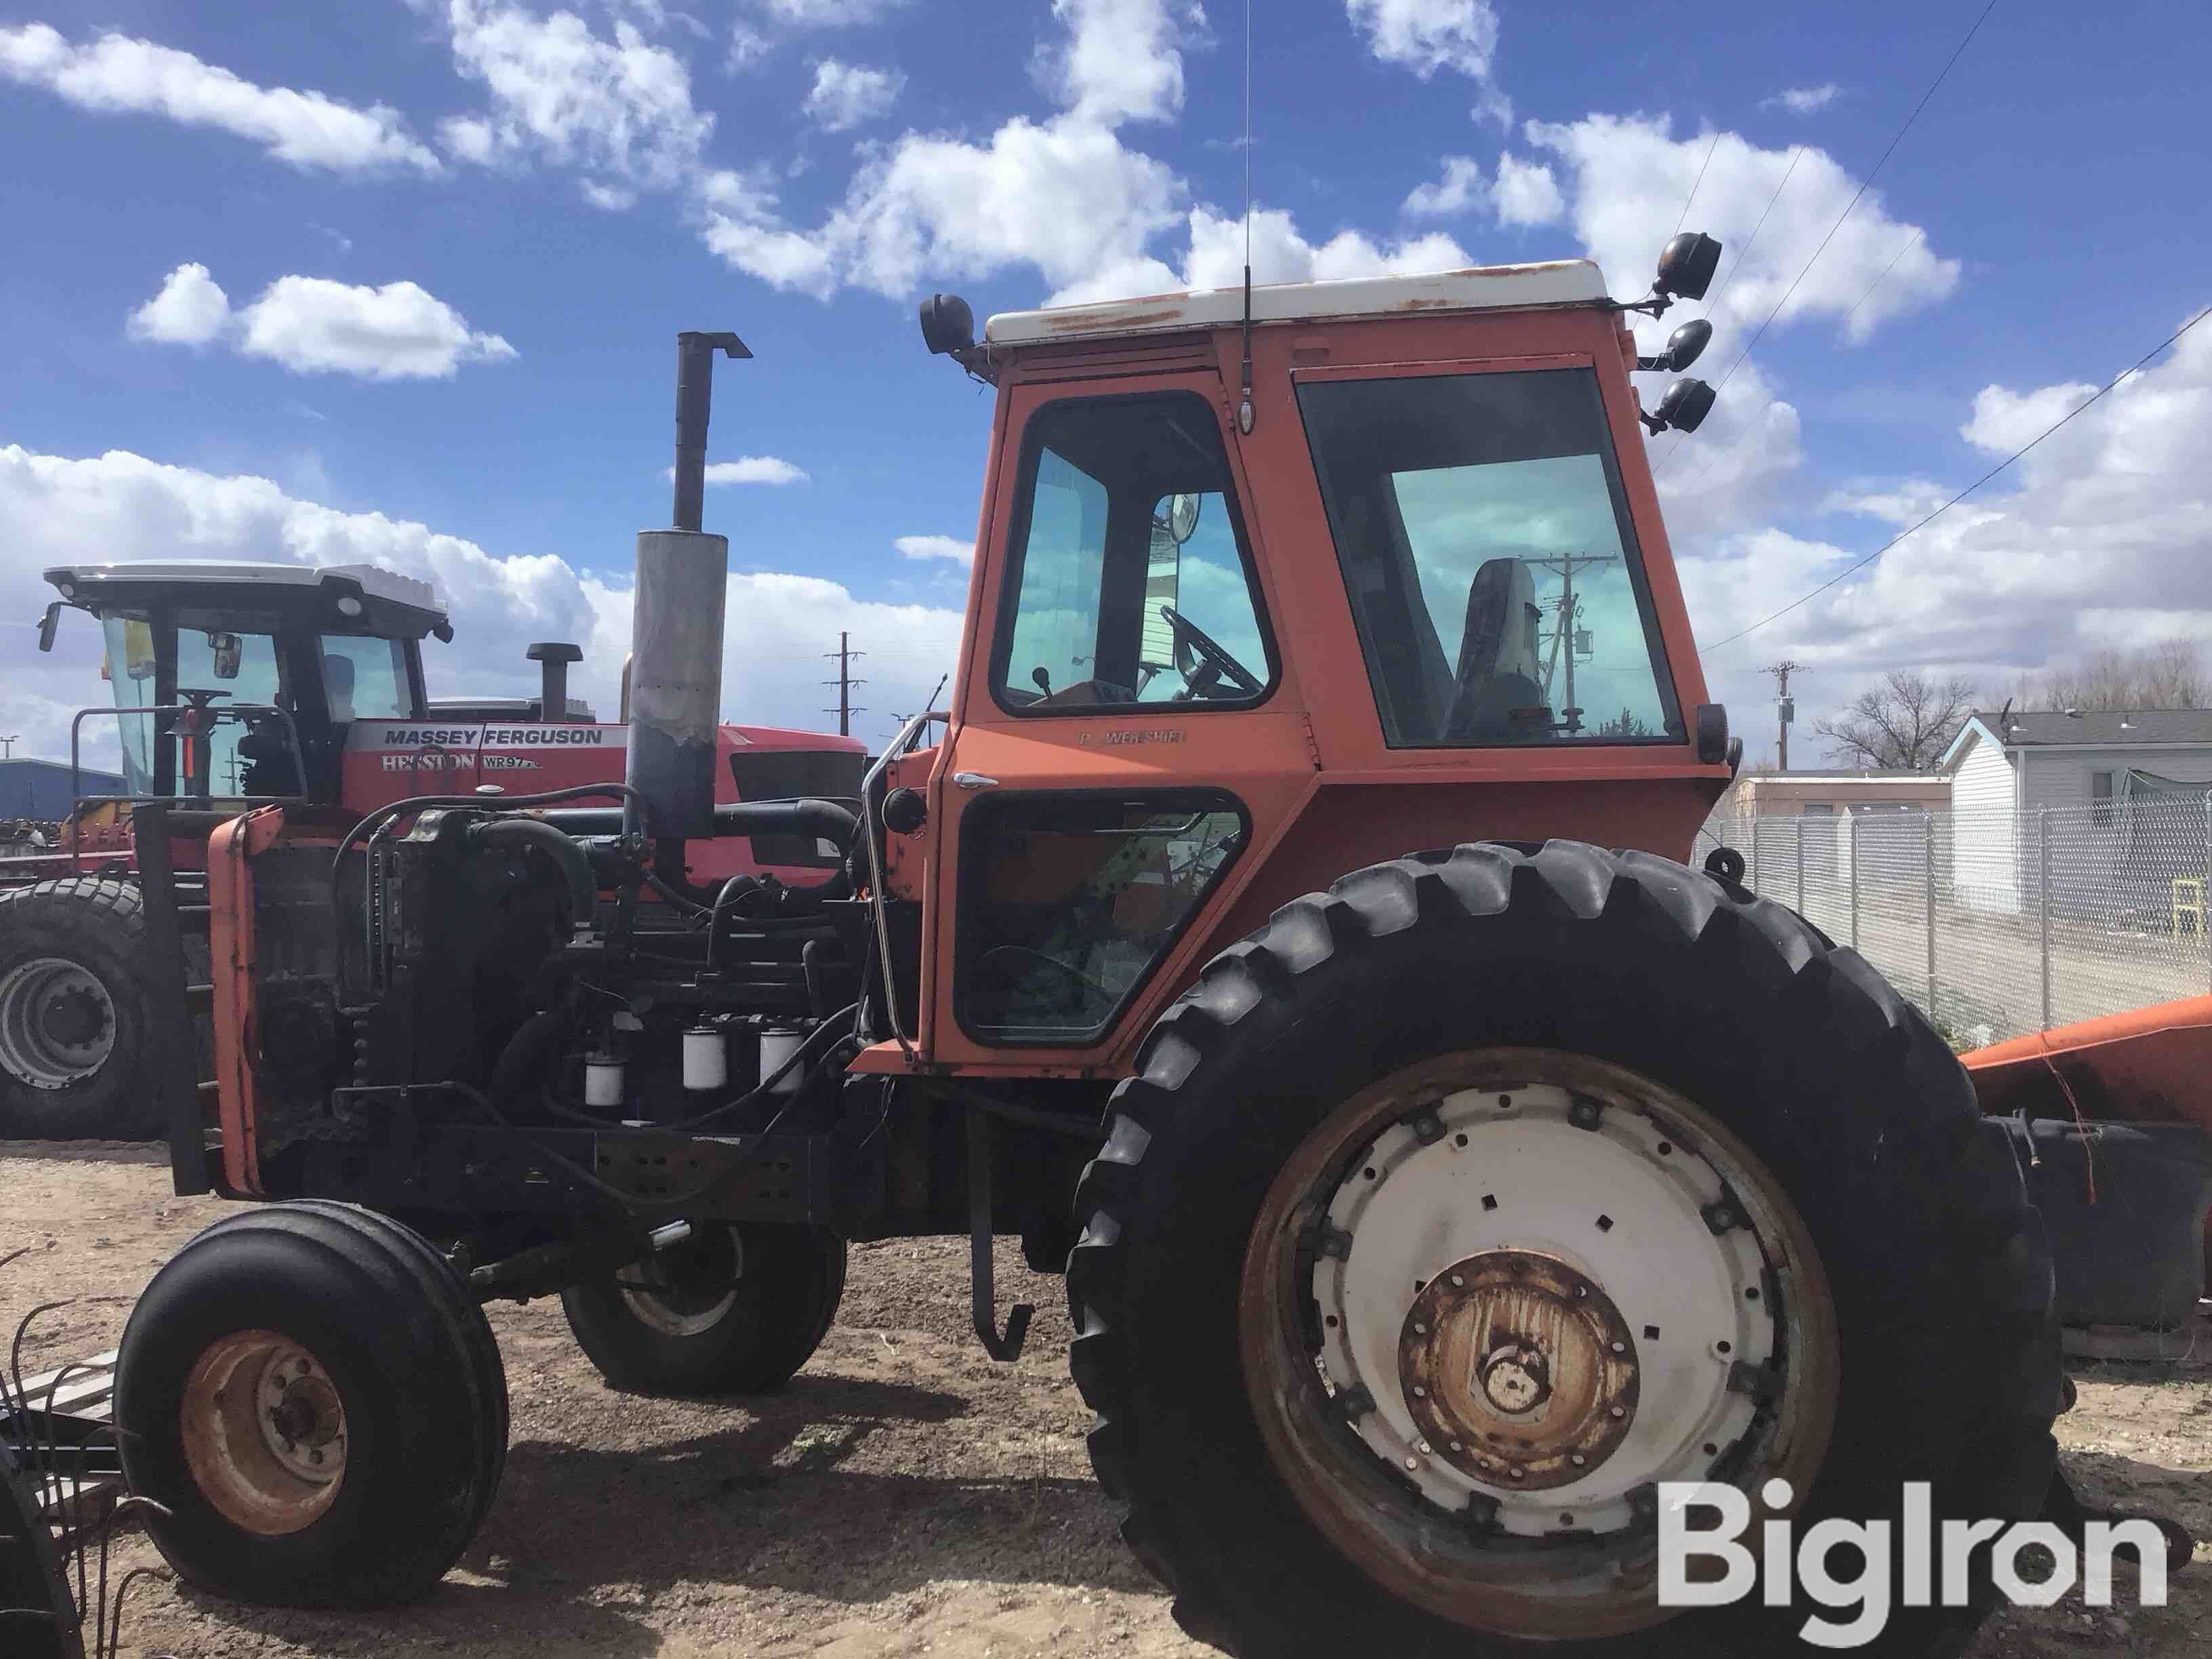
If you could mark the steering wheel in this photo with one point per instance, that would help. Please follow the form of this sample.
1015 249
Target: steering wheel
1210 661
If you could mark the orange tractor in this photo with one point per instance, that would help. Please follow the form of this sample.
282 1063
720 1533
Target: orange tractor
240 684
1436 1189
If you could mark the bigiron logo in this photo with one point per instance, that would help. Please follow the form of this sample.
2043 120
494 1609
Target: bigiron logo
1933 1562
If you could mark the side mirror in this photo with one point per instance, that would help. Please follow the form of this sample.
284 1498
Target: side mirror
1683 408
1686 269
948 326
48 623
227 649
1684 347
1181 518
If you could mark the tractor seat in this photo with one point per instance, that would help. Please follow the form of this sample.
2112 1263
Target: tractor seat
1497 661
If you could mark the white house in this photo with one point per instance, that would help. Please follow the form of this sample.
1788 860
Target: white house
2122 796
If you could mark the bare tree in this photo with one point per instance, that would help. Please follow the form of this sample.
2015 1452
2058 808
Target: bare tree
2169 674
1905 723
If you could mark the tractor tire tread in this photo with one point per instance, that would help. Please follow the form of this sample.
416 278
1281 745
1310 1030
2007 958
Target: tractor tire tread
1764 952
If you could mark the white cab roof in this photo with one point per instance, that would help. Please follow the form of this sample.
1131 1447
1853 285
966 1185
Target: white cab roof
1484 287
376 583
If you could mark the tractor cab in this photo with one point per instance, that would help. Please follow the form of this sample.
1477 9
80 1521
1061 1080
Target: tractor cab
234 681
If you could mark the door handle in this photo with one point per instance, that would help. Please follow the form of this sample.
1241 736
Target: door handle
974 781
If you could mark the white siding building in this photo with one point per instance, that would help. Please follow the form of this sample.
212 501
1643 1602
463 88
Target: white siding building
2100 783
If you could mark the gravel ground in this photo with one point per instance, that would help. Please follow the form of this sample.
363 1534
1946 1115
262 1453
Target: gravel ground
903 1495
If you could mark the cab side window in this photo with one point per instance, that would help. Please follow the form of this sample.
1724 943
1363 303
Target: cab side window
1130 576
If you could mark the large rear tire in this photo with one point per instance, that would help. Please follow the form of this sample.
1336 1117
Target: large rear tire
736 1309
1697 1060
312 1394
73 1026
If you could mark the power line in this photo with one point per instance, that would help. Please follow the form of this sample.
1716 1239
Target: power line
1683 216
1910 242
2136 369
1797 155
1864 185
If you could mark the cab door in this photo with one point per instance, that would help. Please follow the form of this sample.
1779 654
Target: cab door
1128 737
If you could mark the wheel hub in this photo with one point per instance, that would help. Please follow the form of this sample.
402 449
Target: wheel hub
75 1016
1518 1370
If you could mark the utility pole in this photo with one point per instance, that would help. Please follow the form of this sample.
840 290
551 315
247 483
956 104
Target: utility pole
1785 708
10 742
845 707
1564 567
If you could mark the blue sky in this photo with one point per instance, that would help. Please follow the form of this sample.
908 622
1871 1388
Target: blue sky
564 188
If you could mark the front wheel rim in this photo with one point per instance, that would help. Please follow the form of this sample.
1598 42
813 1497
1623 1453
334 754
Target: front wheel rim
264 1432
1496 1298
688 1289
57 1022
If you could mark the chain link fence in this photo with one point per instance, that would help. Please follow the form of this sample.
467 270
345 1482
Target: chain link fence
1997 924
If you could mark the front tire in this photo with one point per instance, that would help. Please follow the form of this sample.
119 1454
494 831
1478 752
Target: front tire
1359 1030
736 1309
73 1027
312 1394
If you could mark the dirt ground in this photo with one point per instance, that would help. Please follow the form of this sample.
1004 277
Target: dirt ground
902 1496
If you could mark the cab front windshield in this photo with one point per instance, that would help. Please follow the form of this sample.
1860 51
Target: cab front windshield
1492 567
239 668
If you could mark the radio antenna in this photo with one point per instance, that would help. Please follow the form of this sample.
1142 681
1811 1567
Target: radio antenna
1244 398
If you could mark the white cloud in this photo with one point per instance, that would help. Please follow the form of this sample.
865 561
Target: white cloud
121 506
1122 60
618 110
189 310
312 326
118 73
953 548
750 469
1628 176
1065 196
1215 257
1803 100
846 94
2102 535
2003 421
1452 194
1526 193
1428 35
828 14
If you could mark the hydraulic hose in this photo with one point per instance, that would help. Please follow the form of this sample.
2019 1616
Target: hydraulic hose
807 815
583 886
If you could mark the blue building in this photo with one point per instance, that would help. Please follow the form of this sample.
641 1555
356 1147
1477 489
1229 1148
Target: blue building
40 788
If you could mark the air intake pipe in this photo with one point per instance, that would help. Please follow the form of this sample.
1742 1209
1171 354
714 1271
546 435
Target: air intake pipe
676 626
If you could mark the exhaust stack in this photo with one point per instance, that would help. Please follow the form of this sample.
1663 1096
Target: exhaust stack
553 658
676 629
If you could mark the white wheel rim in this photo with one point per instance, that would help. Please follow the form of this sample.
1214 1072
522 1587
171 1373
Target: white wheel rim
264 1432
1510 1175
660 1293
57 1023
1702 1243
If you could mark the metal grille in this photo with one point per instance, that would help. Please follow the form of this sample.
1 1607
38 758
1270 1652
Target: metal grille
1997 924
